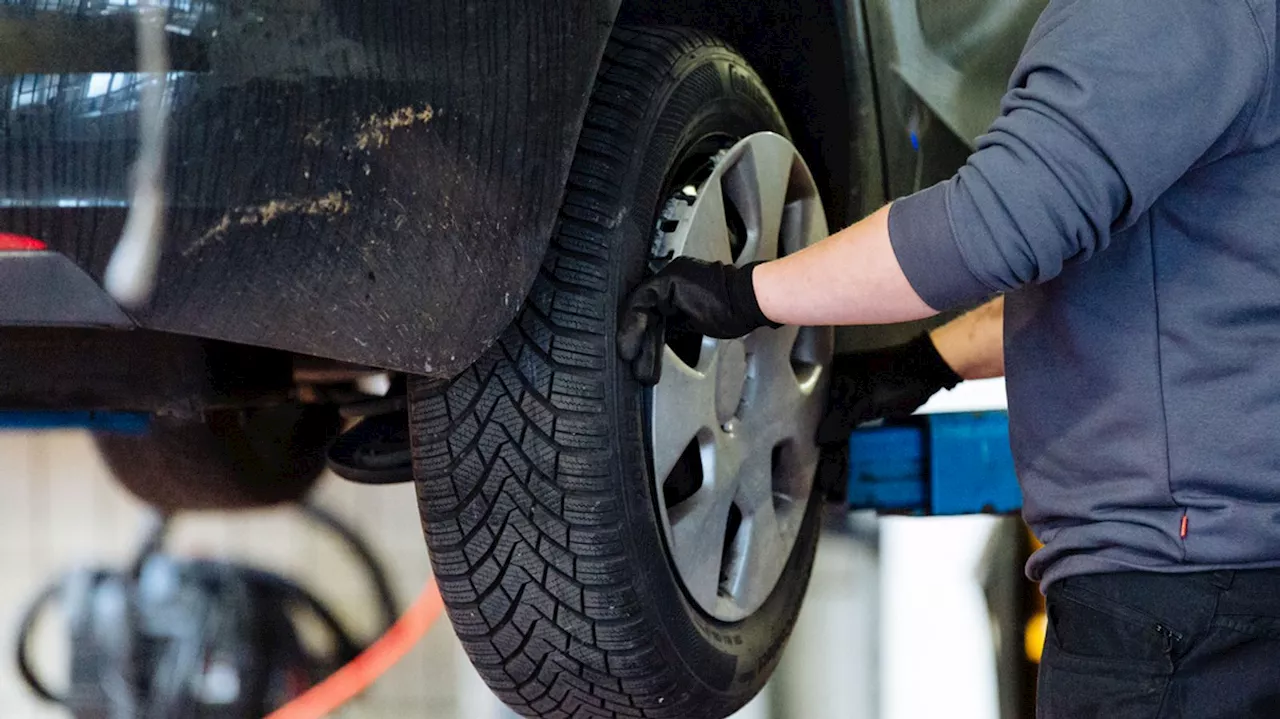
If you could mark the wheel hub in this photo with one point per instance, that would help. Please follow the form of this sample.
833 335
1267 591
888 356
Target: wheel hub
732 422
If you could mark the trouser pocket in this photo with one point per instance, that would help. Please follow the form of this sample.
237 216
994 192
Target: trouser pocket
1102 658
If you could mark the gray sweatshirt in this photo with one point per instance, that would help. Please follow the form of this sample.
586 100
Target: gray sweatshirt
1128 202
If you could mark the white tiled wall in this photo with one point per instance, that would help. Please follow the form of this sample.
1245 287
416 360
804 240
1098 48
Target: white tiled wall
59 508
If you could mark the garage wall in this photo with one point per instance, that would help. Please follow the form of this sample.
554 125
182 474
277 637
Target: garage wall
59 509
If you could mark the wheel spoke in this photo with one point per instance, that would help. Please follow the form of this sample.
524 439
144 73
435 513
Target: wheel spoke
763 554
757 184
772 162
705 235
683 406
755 476
697 537
791 482
804 223
772 394
812 347
771 349
799 460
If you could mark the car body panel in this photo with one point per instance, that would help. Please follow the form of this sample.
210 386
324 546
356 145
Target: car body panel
940 70
955 55
372 182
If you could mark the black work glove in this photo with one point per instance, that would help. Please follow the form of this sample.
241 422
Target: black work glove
887 383
694 296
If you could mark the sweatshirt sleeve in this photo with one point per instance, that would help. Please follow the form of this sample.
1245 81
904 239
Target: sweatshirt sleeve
1111 103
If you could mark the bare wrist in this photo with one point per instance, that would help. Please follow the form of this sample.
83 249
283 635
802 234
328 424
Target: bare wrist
973 345
762 287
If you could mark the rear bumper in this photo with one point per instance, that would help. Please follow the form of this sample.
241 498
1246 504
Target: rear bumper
46 289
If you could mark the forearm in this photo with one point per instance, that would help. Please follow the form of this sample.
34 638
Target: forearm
973 344
853 278
850 278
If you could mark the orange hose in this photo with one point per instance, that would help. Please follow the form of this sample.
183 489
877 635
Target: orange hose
360 673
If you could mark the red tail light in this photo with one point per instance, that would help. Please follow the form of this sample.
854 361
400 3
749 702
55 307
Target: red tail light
12 243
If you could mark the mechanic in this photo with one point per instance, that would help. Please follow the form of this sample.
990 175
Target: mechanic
1126 206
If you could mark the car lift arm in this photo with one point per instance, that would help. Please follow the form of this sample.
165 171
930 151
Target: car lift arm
939 464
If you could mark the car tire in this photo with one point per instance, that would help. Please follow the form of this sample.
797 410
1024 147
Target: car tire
534 482
233 459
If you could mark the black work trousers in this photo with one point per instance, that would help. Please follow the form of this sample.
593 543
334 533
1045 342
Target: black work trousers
1163 646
